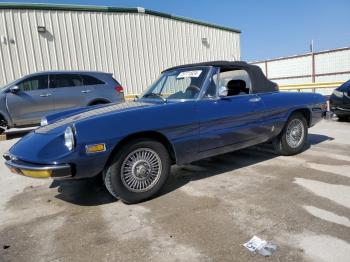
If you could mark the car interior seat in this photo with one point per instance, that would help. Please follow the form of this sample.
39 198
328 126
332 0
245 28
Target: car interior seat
237 87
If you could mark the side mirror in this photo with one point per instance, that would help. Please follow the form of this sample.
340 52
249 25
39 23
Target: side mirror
14 89
223 91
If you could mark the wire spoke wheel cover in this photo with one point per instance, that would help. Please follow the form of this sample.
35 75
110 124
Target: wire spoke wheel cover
295 133
141 170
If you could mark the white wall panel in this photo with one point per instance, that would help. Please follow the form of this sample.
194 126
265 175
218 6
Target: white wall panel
332 62
135 47
290 67
333 78
330 66
292 81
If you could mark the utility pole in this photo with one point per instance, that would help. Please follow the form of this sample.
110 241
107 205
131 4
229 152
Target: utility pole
313 78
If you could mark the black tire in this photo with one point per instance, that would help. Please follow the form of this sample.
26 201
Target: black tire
117 184
3 125
342 118
281 144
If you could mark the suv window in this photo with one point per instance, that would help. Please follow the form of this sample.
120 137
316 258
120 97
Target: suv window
66 80
90 80
34 83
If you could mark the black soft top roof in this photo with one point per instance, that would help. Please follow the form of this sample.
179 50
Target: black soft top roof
260 84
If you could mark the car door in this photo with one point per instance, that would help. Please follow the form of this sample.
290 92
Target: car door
31 102
68 91
231 120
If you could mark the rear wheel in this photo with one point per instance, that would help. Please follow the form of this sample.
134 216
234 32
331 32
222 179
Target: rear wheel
293 138
138 171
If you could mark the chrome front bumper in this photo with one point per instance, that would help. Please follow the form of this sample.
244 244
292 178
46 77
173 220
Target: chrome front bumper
60 171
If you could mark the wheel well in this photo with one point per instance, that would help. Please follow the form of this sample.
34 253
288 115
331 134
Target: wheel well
98 101
147 134
2 118
306 113
3 124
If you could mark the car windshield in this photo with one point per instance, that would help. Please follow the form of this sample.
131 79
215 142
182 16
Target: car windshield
182 83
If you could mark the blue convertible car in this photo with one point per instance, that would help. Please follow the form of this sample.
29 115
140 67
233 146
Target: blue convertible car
191 112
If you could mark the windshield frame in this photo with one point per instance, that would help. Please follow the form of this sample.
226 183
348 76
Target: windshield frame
202 91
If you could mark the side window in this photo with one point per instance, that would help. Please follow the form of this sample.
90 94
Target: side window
66 80
34 83
237 82
90 80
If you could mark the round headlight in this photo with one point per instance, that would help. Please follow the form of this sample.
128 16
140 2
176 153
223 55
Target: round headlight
69 138
43 121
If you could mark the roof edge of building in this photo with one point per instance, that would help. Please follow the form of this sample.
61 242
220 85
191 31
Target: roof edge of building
92 8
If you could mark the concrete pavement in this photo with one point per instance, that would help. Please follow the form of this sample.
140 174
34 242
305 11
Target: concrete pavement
206 212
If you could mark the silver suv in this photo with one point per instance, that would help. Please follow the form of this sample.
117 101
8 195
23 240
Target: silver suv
25 101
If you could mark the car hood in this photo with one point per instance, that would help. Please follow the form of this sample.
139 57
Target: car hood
115 108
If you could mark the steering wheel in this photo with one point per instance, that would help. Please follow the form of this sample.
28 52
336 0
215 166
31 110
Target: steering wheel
193 89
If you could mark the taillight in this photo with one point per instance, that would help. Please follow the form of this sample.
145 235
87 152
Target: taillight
119 89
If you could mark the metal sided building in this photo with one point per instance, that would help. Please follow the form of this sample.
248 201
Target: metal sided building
134 44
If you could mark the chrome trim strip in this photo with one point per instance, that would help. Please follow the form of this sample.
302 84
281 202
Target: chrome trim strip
54 168
34 167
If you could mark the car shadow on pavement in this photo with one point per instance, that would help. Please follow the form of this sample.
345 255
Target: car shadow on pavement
83 192
181 175
91 191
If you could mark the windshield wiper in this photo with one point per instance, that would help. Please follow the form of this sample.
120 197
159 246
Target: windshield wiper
155 95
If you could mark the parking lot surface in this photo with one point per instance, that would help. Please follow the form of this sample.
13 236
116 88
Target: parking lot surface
205 213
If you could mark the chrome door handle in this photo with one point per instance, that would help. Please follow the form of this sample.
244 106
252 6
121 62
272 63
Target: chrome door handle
255 99
45 95
86 91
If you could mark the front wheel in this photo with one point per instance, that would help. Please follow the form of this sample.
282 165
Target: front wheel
138 171
293 137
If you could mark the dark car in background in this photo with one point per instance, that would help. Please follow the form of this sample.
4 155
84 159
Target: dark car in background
340 101
25 101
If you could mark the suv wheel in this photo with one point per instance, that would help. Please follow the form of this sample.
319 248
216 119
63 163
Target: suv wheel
3 125
293 137
342 118
138 171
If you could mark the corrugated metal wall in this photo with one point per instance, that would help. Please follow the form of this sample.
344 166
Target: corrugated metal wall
135 47
325 66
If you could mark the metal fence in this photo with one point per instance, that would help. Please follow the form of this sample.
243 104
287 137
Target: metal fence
326 67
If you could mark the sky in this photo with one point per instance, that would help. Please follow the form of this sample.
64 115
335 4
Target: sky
270 28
